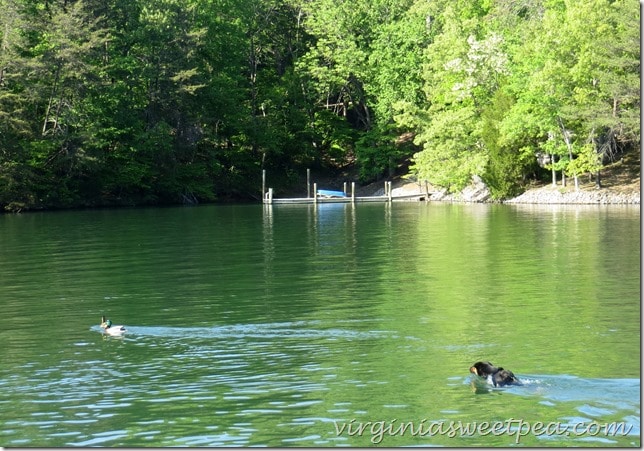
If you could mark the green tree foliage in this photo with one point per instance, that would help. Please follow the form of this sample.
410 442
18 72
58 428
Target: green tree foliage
507 81
569 103
367 57
119 102
462 73
504 170
47 70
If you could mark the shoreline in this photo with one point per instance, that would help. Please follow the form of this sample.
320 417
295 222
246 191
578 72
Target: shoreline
551 195
477 192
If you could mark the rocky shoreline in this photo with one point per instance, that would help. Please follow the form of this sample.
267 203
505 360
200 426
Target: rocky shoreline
557 195
478 192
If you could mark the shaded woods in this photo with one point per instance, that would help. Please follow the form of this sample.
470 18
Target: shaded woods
129 102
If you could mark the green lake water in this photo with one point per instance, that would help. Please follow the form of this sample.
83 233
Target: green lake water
327 325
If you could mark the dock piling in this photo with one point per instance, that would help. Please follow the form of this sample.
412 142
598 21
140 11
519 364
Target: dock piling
269 196
308 183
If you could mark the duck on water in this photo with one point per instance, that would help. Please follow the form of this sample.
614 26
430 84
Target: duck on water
110 329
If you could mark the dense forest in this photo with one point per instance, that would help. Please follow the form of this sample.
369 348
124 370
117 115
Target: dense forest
129 102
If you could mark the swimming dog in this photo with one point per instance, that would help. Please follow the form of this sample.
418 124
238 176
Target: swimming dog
499 376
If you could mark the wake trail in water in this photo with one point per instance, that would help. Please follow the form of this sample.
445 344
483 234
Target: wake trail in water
298 329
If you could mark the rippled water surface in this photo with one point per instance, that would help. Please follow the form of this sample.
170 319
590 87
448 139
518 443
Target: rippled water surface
320 325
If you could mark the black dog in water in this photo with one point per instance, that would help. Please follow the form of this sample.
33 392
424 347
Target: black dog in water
499 376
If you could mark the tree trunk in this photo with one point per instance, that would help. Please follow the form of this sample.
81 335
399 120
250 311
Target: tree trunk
566 138
54 89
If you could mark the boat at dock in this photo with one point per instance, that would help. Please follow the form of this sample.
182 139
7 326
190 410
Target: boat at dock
327 193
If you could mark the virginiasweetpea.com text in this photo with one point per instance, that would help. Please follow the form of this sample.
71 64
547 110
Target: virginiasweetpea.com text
517 428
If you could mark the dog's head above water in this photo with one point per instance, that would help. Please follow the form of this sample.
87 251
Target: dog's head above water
499 376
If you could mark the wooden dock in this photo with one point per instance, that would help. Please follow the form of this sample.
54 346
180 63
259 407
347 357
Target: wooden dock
321 199
342 200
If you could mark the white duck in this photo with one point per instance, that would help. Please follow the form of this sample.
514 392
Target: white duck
111 329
